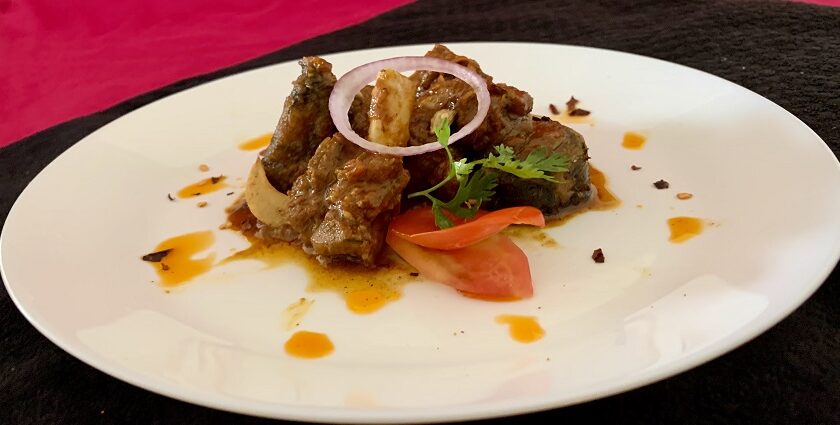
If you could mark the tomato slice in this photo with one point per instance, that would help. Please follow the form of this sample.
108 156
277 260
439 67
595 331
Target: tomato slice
494 267
418 226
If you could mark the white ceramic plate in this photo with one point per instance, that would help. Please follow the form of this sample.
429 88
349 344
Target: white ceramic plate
71 243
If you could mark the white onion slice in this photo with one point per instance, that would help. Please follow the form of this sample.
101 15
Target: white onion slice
354 81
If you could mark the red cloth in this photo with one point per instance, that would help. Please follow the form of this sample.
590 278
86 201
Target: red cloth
64 59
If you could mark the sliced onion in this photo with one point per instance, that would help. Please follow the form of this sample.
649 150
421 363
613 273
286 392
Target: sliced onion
354 81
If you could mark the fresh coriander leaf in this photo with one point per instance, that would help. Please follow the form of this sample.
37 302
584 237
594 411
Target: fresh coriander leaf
463 168
441 220
535 166
548 164
476 185
471 193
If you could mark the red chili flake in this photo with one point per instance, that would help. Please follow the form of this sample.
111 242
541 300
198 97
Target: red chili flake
635 167
598 255
579 113
571 104
216 179
661 184
553 109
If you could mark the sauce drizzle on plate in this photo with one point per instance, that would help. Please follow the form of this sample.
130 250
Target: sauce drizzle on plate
364 290
633 141
684 228
202 187
309 345
178 266
256 143
524 329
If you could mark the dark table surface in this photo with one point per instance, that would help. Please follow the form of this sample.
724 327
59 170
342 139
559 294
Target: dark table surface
787 52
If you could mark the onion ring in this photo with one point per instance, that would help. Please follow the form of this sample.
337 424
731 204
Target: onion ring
349 84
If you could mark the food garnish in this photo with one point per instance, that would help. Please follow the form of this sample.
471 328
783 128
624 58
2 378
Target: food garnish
475 185
155 257
572 110
351 83
661 184
414 225
598 255
635 167
493 267
684 195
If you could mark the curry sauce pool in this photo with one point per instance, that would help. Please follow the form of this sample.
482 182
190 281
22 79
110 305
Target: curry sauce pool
365 290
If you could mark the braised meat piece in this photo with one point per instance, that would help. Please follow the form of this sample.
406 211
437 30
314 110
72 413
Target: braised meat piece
553 198
342 205
359 119
509 121
436 91
305 122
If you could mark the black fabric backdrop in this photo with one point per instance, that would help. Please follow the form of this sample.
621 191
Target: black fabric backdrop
787 52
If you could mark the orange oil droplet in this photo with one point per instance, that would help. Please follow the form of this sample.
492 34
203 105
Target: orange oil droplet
599 180
492 298
633 141
178 266
367 300
256 143
524 329
684 228
309 345
207 185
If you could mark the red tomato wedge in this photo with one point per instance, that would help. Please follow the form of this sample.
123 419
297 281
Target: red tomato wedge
418 226
494 267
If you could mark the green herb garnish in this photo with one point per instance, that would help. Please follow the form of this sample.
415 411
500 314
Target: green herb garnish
476 185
